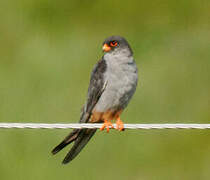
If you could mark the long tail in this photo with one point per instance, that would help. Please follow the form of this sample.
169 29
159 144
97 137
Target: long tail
80 138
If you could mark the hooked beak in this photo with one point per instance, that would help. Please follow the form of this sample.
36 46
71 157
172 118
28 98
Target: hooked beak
106 48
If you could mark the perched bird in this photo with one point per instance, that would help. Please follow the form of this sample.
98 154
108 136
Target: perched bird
112 84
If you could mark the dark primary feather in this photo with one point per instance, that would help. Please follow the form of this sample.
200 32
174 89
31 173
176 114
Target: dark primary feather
82 136
97 85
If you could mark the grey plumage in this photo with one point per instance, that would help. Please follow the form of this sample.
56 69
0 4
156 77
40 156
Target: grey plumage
121 76
82 136
112 84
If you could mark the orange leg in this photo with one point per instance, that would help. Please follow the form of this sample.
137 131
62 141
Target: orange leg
119 124
106 125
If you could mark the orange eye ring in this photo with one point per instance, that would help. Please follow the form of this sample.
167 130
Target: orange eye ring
113 43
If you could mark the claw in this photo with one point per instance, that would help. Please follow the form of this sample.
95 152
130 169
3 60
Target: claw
107 125
119 124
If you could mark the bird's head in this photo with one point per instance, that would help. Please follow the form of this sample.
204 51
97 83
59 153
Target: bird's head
116 44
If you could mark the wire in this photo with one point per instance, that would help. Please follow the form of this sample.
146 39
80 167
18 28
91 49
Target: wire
95 125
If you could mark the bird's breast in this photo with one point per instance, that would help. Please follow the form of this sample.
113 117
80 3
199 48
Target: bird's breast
121 84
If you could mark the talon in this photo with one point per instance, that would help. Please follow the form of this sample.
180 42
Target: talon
107 125
119 124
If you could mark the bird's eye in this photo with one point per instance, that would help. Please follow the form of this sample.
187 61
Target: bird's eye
113 43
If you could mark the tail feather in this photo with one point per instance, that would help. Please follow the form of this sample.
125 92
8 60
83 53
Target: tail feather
70 138
80 137
80 142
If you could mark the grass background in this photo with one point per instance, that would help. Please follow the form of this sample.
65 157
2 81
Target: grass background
47 51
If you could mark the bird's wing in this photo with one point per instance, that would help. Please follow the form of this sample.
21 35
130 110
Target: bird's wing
96 88
82 136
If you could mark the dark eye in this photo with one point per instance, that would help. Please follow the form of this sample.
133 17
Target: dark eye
113 43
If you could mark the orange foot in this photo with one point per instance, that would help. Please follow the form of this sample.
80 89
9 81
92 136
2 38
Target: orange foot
106 125
119 124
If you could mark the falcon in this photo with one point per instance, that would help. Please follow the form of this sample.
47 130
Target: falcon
112 84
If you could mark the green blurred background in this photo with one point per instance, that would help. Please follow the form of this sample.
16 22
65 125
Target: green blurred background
47 51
